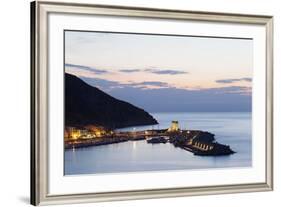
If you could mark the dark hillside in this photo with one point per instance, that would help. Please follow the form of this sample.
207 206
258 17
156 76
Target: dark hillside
86 105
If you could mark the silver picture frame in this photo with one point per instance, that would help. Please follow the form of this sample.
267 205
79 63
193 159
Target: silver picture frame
39 100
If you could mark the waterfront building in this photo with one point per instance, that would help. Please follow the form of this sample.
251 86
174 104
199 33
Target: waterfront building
84 133
174 126
97 131
66 134
72 133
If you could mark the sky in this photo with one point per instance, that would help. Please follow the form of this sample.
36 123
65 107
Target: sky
164 73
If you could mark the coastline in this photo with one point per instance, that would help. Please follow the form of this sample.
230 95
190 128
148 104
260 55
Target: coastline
95 142
195 141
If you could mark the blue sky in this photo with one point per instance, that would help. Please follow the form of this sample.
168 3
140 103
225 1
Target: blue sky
165 73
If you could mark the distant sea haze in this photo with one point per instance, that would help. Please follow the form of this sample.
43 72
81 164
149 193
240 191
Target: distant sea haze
224 99
167 100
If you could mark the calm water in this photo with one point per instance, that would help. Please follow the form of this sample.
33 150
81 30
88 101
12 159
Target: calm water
233 129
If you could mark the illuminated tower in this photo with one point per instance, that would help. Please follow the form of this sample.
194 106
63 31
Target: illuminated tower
174 126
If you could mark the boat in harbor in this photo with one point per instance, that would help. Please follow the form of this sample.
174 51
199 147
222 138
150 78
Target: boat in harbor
157 140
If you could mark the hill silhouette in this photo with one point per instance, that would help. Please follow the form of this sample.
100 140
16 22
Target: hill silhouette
85 105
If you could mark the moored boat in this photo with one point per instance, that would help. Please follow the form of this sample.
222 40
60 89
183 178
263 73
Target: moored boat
157 140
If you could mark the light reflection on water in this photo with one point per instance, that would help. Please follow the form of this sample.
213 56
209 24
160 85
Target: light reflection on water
233 129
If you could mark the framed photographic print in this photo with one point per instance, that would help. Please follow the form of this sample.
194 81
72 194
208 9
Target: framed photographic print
133 103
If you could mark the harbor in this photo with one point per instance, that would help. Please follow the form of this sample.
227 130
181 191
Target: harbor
198 142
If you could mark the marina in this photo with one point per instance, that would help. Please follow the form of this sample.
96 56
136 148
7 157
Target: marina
195 141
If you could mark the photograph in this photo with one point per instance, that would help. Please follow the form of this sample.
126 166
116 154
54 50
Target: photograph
139 102
132 102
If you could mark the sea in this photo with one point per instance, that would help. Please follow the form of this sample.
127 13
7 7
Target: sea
230 128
